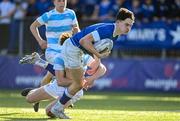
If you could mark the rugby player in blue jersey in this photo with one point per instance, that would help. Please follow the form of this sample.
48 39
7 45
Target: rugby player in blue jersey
57 21
82 42
93 69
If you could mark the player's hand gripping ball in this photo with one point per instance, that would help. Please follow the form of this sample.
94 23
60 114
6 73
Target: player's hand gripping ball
103 45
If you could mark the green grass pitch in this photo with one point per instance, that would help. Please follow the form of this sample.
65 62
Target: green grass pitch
98 106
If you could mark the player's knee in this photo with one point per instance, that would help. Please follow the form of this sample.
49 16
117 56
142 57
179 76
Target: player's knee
77 87
29 99
78 84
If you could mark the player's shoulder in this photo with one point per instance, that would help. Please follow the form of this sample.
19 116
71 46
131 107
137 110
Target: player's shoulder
105 26
69 10
109 25
53 11
105 30
49 13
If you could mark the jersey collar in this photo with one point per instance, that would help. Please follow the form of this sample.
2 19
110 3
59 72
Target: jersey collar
114 32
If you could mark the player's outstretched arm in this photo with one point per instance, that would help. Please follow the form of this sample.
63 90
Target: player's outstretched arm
62 80
101 70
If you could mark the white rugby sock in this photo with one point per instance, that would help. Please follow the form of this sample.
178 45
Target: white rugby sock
42 63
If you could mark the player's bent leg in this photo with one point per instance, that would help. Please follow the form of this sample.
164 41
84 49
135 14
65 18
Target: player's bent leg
74 99
77 77
47 79
77 96
36 107
30 59
48 109
37 95
58 108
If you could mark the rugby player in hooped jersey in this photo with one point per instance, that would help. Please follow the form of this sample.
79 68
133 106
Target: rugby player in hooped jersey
82 42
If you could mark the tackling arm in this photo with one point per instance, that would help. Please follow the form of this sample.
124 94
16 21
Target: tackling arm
90 80
97 69
99 72
75 29
61 79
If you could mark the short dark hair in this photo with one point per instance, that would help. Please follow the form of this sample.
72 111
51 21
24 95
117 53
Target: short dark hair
124 14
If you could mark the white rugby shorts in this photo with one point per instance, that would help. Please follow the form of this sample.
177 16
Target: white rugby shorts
72 55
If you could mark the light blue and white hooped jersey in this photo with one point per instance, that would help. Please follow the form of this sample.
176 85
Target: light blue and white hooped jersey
57 23
59 62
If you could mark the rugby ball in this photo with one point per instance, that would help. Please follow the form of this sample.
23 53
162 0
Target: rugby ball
104 44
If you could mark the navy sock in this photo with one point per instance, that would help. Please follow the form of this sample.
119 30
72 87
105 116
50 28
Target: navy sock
65 98
50 69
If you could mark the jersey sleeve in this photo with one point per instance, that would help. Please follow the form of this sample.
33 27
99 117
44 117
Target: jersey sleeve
43 19
74 18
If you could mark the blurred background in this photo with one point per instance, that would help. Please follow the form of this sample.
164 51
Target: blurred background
148 58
